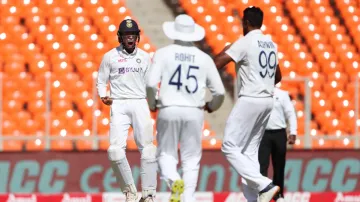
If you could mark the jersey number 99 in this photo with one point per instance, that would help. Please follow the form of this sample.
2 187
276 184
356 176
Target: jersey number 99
267 63
175 79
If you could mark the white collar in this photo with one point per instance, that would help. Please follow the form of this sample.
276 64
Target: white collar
255 31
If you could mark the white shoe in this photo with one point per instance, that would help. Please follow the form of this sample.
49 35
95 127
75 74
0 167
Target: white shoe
269 195
131 197
280 200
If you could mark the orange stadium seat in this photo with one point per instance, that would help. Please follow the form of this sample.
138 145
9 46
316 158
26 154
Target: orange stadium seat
79 127
322 144
84 145
104 144
131 144
37 144
12 145
61 145
211 144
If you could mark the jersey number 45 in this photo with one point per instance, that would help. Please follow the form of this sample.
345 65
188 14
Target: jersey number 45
175 79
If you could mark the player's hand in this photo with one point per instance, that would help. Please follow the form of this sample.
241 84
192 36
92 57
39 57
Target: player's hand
107 100
292 139
206 108
153 110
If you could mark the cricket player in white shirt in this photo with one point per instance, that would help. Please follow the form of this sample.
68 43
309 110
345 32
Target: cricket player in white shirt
184 72
126 67
275 139
257 73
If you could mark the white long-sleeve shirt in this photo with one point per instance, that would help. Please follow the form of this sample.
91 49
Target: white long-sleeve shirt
184 72
126 73
256 56
283 111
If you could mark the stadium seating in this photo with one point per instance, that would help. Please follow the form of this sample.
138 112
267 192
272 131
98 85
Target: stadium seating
56 47
313 42
52 49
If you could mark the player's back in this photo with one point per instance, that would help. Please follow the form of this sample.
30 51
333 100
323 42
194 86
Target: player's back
257 66
183 76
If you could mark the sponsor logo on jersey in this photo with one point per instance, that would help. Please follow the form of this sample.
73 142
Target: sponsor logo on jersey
122 60
124 70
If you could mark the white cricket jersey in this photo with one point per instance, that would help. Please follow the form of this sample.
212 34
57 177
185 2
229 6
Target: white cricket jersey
184 72
256 56
283 111
126 73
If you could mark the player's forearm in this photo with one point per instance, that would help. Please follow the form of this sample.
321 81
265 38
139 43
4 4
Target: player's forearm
151 97
101 87
102 79
216 102
222 59
101 91
292 123
293 129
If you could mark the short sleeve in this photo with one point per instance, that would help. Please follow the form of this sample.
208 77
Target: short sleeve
213 80
237 50
155 72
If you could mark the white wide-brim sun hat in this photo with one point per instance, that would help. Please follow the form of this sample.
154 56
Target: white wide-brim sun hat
184 28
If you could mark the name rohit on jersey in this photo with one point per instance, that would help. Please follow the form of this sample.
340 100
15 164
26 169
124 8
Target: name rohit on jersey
123 70
183 57
266 44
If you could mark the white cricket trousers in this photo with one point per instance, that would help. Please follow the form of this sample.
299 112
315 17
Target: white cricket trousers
244 130
135 113
180 125
126 113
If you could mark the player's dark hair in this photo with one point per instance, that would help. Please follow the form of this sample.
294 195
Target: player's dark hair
254 16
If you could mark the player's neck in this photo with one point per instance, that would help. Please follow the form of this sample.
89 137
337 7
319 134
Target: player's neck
250 29
127 51
183 43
